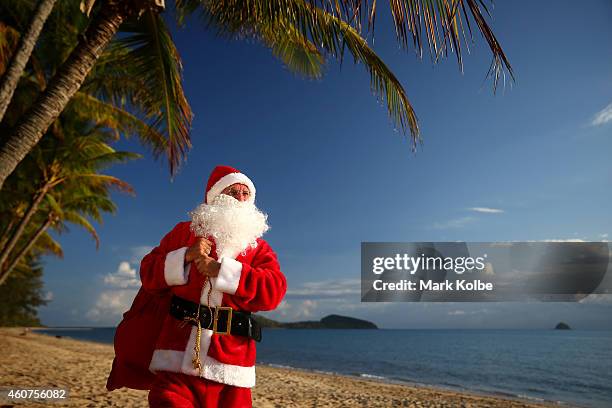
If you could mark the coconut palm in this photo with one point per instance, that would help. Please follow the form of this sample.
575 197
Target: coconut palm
22 55
301 32
151 106
147 116
58 183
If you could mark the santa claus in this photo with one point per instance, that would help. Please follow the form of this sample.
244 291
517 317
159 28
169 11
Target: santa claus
214 272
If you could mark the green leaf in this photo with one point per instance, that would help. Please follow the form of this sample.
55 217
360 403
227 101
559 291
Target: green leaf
75 218
57 209
153 58
329 33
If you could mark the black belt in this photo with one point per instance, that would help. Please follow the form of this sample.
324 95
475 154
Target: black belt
223 320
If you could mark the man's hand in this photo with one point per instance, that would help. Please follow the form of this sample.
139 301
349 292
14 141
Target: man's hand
207 266
200 248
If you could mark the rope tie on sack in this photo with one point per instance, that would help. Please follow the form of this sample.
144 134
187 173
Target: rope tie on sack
195 361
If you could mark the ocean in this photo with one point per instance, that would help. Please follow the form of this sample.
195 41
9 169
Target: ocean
567 366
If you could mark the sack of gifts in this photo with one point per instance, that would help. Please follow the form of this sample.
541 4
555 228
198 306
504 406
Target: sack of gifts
135 340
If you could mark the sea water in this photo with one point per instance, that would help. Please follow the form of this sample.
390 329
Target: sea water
566 366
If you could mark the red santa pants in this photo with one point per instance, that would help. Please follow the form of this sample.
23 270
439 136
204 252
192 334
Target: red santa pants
177 390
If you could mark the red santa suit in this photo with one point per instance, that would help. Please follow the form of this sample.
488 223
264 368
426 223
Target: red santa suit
248 280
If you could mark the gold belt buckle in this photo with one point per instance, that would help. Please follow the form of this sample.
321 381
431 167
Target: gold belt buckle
229 320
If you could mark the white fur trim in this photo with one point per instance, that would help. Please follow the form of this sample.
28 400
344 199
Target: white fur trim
180 362
186 363
227 181
235 375
166 360
216 297
175 270
229 276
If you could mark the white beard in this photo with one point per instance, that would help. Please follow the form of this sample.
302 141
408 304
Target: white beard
234 225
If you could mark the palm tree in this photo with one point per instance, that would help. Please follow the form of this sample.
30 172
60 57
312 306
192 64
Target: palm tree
64 186
301 33
22 294
22 55
151 106
59 180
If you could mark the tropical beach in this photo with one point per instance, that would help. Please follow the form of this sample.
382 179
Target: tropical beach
328 203
36 360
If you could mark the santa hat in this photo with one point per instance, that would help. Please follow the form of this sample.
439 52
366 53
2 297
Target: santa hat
223 177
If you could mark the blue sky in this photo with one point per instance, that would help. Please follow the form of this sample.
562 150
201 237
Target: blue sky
332 172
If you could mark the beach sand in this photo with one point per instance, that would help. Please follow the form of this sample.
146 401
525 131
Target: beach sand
37 360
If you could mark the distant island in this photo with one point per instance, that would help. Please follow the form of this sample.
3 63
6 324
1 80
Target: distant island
328 322
562 326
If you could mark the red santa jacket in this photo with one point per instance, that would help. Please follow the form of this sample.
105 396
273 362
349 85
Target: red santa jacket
249 281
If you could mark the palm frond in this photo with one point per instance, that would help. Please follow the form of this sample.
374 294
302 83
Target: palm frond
442 24
120 120
295 50
106 180
46 244
185 8
77 219
154 58
54 205
331 34
91 205
108 159
298 54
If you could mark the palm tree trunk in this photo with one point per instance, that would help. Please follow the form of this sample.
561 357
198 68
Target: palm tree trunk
5 273
64 84
6 232
4 254
22 55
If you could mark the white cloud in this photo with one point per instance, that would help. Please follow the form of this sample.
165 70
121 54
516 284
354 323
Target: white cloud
598 298
48 296
111 304
290 311
327 288
603 116
123 277
351 307
456 312
455 223
293 310
120 289
283 309
460 312
461 222
486 210
307 308
311 300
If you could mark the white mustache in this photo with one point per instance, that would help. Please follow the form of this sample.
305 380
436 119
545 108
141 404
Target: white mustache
233 225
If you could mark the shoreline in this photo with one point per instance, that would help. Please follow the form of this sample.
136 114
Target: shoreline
428 387
84 365
362 376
